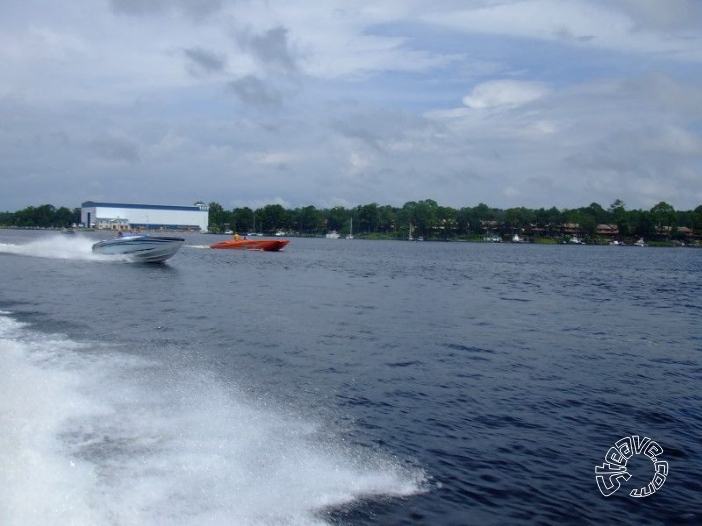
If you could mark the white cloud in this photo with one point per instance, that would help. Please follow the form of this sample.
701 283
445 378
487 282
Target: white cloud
586 23
667 16
358 161
499 93
41 43
676 141
512 103
274 158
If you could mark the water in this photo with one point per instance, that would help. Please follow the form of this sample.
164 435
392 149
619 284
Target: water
345 382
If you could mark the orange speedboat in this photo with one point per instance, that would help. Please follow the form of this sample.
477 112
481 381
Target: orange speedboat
269 245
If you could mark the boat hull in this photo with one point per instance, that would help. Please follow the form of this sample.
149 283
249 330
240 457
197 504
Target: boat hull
144 249
267 245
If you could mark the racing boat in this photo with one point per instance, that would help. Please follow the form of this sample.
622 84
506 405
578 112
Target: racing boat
268 245
140 247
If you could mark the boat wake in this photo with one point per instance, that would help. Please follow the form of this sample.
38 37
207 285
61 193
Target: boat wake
62 247
55 247
95 436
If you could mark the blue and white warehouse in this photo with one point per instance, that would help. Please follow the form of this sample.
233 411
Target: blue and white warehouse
125 216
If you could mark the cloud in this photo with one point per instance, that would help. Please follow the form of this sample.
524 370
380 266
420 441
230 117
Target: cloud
116 149
139 7
278 159
643 27
385 131
601 139
512 103
271 48
358 161
656 15
197 9
252 90
676 141
498 93
202 62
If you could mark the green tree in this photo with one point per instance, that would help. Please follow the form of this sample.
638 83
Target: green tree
549 219
216 217
64 218
388 218
368 218
463 221
696 224
271 218
7 218
620 217
642 224
309 220
425 216
588 225
520 218
663 218
241 220
447 222
598 214
336 218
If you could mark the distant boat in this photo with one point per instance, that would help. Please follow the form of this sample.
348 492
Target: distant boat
640 243
140 248
517 239
266 245
350 234
332 235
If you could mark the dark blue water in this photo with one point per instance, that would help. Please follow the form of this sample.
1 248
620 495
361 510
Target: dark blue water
346 382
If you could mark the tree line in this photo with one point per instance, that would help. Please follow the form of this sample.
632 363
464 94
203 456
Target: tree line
425 218
430 220
44 216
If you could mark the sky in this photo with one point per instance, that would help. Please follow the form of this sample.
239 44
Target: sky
511 103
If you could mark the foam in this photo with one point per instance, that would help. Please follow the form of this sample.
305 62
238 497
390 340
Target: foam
56 246
92 436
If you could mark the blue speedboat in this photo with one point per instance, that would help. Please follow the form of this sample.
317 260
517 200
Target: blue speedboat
140 247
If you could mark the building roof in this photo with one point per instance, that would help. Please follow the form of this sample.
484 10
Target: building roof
147 207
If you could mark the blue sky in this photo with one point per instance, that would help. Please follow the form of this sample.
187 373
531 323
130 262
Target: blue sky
506 102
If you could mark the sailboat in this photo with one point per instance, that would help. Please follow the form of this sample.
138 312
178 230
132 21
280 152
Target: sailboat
350 234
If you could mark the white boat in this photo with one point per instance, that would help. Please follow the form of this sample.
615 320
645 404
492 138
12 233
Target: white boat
640 243
333 235
350 234
140 248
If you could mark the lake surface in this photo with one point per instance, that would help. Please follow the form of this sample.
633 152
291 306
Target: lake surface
346 382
